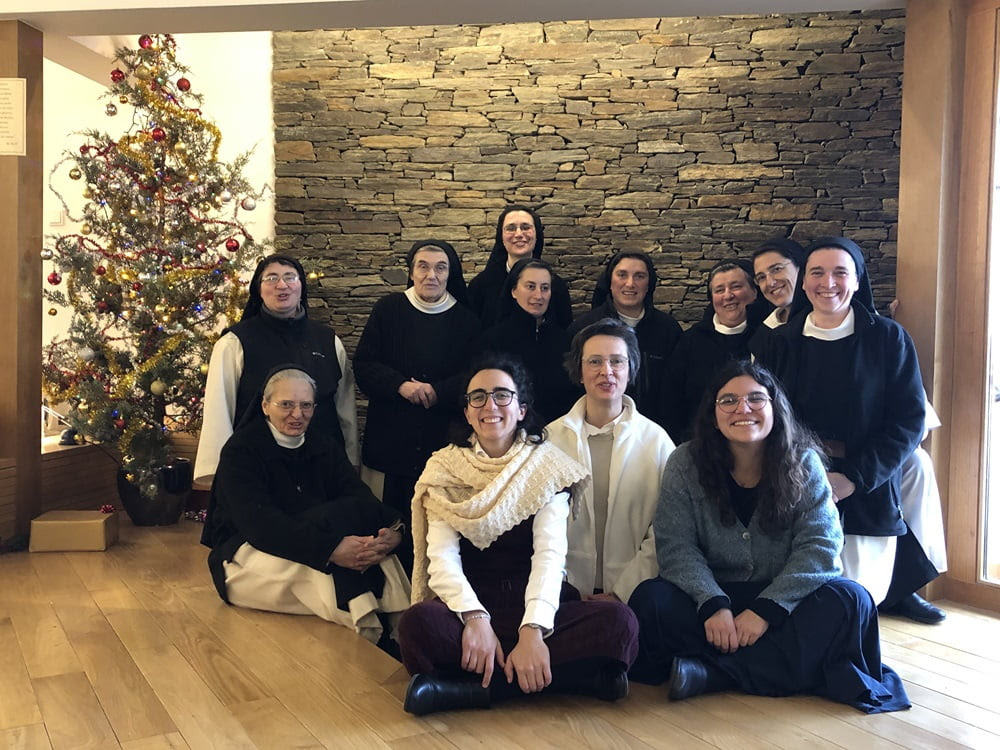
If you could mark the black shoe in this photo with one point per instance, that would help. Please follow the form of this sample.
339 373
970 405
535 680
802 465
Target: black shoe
688 678
611 683
916 608
426 694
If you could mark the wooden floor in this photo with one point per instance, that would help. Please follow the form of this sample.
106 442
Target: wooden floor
132 648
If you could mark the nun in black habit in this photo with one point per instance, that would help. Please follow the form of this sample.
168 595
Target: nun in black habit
486 289
409 361
853 378
722 335
292 527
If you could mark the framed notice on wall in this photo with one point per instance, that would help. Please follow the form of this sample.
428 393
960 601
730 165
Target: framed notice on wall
13 116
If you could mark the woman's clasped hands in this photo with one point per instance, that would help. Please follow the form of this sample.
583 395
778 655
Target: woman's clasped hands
728 633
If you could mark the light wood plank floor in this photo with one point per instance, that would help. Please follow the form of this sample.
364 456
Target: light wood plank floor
132 648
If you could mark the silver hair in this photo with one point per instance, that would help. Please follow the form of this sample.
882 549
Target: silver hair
290 373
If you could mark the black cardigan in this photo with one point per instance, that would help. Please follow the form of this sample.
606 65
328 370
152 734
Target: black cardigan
883 427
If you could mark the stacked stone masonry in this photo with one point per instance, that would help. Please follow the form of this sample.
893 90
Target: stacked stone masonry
688 138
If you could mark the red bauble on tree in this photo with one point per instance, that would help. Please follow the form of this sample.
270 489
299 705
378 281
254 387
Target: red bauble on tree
145 41
55 278
117 75
183 84
100 270
232 245
102 306
158 134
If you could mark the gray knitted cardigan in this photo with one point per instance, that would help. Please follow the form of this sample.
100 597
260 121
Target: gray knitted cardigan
696 551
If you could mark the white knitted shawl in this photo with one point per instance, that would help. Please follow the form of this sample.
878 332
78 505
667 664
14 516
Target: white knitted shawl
481 497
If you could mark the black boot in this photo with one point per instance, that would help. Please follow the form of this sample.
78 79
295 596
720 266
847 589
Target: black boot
611 683
426 694
690 677
602 678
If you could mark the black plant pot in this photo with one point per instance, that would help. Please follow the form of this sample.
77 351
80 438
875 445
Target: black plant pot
174 482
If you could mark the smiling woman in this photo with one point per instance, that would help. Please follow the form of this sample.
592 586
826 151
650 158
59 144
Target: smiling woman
748 542
611 535
489 524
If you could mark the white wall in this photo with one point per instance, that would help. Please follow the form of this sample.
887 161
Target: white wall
231 71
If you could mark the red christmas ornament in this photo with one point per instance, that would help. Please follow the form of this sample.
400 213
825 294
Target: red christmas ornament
117 75
145 41
102 306
159 134
232 245
120 423
100 270
183 84
54 278
137 286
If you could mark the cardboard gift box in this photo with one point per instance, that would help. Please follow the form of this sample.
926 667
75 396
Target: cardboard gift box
73 530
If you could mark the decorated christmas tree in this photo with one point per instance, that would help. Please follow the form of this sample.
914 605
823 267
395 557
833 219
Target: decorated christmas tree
153 271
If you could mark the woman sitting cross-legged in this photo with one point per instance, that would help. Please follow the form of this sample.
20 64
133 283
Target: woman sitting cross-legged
492 616
748 541
291 525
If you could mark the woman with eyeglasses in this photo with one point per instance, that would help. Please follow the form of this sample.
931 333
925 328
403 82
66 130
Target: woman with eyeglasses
291 525
527 330
611 548
275 328
491 615
749 595
520 234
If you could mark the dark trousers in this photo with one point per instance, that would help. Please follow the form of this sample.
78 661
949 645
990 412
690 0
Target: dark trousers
828 646
911 569
593 633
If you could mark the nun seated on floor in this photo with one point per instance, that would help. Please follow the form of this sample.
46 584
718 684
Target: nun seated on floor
294 529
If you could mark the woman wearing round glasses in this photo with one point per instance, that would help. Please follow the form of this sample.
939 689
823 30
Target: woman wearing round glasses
527 330
275 328
291 525
611 547
748 542
492 616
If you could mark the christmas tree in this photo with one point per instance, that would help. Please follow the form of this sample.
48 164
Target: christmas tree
153 271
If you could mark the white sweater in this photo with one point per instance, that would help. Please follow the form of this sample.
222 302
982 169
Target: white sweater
638 457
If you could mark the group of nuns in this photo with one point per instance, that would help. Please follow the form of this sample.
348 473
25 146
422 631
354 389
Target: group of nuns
552 539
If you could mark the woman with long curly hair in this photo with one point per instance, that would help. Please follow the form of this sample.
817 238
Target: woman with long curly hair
748 543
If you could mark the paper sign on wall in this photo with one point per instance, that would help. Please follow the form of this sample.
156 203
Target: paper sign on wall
13 116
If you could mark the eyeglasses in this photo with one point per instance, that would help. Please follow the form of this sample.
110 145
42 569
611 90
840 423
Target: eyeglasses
525 227
771 272
500 396
596 363
289 406
272 278
729 402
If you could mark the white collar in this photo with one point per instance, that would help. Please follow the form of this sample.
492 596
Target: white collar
842 331
442 305
286 441
772 320
726 330
629 320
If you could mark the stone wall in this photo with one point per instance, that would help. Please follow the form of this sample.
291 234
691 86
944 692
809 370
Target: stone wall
689 138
